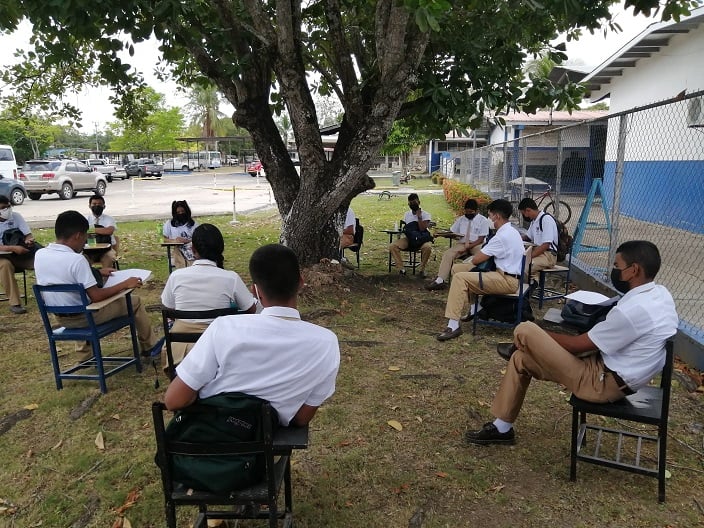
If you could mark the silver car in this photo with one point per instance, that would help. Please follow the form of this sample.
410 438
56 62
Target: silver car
64 177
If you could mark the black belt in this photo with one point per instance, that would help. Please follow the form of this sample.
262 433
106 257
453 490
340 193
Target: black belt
68 314
514 275
622 385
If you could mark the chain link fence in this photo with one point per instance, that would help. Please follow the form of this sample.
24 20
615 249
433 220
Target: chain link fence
633 175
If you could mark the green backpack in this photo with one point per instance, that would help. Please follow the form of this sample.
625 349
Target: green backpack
226 417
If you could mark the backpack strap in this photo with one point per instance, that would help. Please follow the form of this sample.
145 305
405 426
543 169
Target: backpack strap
554 243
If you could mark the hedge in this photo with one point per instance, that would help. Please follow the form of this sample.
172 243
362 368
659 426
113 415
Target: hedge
456 194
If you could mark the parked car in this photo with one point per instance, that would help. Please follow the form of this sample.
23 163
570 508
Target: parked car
255 168
13 189
64 177
232 160
144 167
106 168
8 163
174 164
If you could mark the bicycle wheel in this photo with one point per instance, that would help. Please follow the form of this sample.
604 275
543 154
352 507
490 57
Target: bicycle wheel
565 211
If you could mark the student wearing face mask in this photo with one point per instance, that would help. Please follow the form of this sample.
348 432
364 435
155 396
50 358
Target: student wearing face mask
612 360
104 227
16 256
416 214
543 233
473 228
180 229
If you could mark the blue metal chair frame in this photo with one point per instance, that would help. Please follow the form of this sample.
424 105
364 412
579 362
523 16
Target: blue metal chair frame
92 333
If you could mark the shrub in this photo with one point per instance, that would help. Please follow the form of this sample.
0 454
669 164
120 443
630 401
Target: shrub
456 194
437 178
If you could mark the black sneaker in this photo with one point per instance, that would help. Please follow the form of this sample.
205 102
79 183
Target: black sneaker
489 434
505 350
402 272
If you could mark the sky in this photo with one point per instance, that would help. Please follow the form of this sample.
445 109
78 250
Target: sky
585 54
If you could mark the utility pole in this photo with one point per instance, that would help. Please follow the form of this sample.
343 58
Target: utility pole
97 147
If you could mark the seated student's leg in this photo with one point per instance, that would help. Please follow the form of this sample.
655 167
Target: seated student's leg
346 240
107 260
461 267
179 350
9 284
543 261
118 308
425 251
179 261
471 284
447 261
395 249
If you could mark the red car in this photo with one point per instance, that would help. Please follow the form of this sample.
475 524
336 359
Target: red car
255 168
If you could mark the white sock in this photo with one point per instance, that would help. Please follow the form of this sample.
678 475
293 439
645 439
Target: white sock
453 324
439 280
471 309
501 426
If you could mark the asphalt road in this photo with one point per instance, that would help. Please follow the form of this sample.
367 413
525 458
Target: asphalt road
207 193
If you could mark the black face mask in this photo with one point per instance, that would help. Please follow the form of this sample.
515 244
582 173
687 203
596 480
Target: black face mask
526 219
470 216
97 210
181 218
620 285
414 207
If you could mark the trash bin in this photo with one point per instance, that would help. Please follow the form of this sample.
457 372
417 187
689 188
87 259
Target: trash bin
396 178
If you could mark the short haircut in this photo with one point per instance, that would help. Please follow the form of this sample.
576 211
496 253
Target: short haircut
208 242
413 196
274 269
471 204
643 253
69 223
96 197
527 203
501 207
181 203
4 199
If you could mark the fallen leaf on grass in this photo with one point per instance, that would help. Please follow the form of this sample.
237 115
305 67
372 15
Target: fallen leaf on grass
115 417
441 474
393 408
31 406
344 443
58 445
497 488
396 425
394 368
667 474
481 403
419 419
503 371
700 388
130 501
99 441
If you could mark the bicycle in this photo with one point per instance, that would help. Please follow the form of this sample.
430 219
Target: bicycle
565 209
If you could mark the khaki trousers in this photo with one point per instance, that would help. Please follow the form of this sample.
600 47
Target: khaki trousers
401 244
178 260
543 261
8 265
540 357
465 287
346 240
448 259
117 308
179 350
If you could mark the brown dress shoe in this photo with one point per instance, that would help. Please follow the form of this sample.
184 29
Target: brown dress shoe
436 286
449 334
505 350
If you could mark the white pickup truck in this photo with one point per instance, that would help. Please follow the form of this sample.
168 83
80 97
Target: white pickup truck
104 167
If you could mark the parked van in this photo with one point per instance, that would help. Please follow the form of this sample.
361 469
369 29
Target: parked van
8 163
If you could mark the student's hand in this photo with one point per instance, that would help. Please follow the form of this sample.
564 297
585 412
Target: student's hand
182 240
29 241
133 282
19 250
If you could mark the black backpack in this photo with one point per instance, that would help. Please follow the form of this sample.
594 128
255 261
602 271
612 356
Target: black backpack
503 309
564 239
416 237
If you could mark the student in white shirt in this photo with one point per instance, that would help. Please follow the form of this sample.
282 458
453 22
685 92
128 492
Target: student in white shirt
105 226
543 233
473 228
205 285
629 347
273 355
180 229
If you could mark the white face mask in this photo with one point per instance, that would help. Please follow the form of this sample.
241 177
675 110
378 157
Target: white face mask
6 213
256 294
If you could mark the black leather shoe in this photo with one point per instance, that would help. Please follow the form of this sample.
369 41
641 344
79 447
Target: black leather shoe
489 434
467 318
505 350
436 286
449 334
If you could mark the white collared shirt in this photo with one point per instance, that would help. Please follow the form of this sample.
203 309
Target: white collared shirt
204 286
632 338
472 229
59 264
547 234
105 221
506 246
273 355
15 221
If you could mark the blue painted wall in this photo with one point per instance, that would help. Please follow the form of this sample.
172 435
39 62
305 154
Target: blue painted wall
667 193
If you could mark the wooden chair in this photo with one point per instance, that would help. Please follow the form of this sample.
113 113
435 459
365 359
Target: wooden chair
549 294
520 297
170 337
245 503
618 448
91 333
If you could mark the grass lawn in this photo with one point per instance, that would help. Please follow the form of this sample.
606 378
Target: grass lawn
358 471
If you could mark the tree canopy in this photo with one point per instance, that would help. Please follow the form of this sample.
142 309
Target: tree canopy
437 64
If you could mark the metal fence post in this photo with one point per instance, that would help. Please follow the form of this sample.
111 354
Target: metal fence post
558 174
618 183
234 207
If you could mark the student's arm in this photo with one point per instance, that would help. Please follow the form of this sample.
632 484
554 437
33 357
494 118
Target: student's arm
96 294
478 242
179 395
109 230
303 416
479 258
574 344
539 250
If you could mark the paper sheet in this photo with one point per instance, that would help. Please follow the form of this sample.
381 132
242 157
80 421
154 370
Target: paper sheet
592 298
120 275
